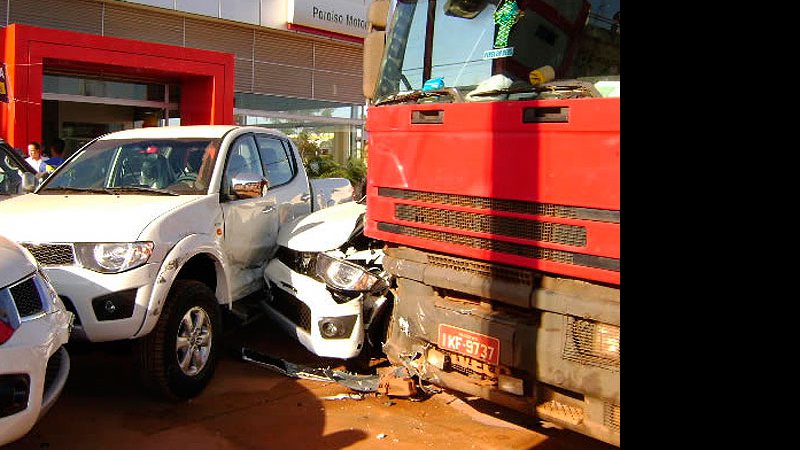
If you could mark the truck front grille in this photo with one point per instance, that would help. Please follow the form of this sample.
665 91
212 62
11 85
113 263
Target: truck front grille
26 298
527 251
482 269
494 204
498 225
51 254
611 416
591 343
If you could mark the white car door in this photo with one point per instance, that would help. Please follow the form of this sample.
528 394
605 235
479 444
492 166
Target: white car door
288 182
251 224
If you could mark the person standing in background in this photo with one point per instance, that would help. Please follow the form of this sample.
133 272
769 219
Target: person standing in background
35 158
57 155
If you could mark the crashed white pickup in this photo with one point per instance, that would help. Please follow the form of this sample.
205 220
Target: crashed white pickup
145 233
329 289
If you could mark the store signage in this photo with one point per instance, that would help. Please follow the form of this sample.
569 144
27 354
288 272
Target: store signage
339 16
3 84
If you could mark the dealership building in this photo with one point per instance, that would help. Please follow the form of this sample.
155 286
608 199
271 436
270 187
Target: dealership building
76 69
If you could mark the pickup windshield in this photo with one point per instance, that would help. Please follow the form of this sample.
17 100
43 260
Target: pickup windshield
141 167
467 42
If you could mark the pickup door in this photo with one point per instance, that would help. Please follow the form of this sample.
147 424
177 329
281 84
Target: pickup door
252 224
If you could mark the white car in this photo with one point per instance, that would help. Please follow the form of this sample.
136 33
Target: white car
327 283
16 176
34 326
162 230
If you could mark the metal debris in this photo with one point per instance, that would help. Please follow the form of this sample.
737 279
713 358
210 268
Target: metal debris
356 382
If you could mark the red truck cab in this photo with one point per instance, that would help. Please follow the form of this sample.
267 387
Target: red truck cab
494 179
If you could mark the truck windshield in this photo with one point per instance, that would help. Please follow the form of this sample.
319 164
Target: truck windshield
165 166
465 42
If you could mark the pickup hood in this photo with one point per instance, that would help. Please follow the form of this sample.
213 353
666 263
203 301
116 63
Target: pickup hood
83 218
323 230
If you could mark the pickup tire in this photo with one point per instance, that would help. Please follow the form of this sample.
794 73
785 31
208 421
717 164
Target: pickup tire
178 357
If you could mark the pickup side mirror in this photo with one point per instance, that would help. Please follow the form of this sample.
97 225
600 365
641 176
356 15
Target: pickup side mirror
249 185
374 44
29 182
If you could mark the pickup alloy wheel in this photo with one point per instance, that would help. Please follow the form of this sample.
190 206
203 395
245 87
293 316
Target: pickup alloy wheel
193 344
177 359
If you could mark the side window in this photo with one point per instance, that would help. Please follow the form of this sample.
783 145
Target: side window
277 159
243 158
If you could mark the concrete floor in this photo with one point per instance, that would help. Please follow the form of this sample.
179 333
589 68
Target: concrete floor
250 407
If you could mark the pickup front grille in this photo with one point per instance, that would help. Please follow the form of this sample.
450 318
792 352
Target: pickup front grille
293 309
26 298
301 262
51 254
52 369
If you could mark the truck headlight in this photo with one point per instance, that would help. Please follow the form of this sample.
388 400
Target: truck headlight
113 257
340 274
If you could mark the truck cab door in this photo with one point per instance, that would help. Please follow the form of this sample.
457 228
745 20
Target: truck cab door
251 218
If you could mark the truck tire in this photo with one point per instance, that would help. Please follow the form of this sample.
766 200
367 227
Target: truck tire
178 357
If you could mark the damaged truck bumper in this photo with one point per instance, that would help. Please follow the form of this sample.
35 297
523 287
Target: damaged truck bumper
305 308
539 350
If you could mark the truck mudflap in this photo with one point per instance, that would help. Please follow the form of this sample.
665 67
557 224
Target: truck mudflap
563 369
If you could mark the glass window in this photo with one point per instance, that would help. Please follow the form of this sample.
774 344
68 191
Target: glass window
317 127
58 84
579 39
133 166
204 7
242 158
276 158
241 10
162 3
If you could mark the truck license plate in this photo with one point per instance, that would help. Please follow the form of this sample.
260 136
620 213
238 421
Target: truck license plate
465 342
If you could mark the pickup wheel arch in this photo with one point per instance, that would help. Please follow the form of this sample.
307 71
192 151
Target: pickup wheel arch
190 259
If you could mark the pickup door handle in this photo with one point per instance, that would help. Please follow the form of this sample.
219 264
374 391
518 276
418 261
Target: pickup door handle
268 209
305 197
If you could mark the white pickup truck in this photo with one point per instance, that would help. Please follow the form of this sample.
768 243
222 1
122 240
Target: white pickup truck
150 233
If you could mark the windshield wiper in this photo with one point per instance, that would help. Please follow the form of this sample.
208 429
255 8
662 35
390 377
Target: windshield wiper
560 89
53 190
402 97
142 189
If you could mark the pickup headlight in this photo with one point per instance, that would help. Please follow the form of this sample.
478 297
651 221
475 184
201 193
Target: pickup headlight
113 257
346 276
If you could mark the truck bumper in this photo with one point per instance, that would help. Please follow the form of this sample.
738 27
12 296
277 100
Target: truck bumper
551 365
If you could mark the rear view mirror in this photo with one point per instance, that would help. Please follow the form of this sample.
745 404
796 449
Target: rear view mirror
466 9
374 43
249 185
29 182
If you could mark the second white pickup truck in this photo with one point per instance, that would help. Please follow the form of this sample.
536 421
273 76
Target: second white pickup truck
148 233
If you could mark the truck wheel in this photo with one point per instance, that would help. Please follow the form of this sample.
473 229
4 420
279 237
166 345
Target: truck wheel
177 359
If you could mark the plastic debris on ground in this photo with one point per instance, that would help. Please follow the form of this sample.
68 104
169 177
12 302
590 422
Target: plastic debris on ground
343 397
